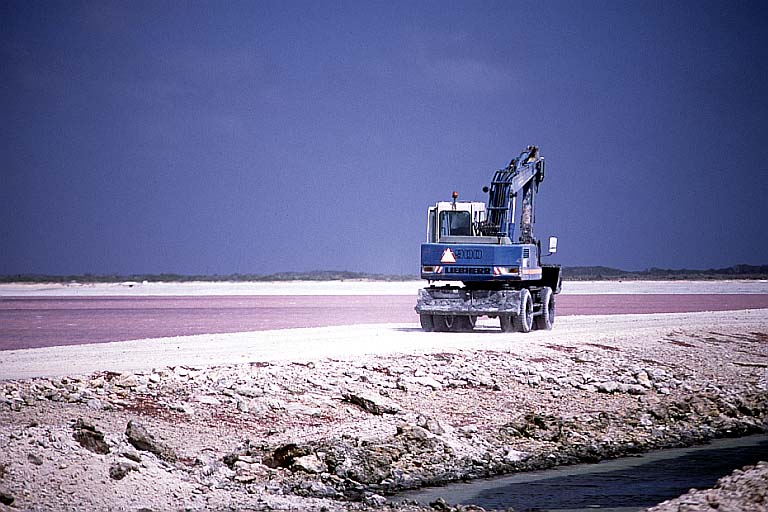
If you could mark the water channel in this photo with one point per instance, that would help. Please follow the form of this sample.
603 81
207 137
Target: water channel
620 485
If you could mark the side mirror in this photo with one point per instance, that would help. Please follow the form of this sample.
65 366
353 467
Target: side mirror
552 245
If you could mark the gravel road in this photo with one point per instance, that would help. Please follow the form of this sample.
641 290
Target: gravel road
339 342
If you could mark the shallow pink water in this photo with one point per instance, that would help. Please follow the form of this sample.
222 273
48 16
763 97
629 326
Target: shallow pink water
31 322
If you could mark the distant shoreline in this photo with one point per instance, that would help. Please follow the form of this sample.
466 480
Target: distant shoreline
591 273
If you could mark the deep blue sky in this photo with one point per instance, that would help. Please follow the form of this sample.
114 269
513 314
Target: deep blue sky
223 137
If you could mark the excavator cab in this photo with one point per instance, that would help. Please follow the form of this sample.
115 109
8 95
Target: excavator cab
449 220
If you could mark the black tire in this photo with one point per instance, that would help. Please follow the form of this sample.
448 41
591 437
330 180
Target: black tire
445 323
546 320
427 322
523 321
506 323
467 323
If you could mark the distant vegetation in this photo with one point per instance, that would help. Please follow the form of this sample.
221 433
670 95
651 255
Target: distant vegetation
316 275
569 273
656 274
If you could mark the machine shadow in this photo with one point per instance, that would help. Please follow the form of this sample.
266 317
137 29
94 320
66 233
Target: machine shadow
476 330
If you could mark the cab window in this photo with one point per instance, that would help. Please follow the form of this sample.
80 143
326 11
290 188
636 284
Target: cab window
453 223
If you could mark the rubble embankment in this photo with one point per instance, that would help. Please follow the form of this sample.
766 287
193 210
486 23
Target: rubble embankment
344 434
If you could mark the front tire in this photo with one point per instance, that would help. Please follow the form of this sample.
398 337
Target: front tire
427 322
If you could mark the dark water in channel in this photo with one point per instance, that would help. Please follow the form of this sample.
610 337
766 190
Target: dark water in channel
626 484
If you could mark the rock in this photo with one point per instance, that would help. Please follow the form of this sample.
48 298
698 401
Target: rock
245 478
636 389
207 399
245 450
376 500
369 403
128 380
323 490
250 392
309 464
371 464
424 381
182 407
6 498
512 455
413 433
143 440
248 472
297 408
608 387
35 459
95 404
90 437
118 470
28 399
440 505
284 456
430 424
231 459
130 453
644 380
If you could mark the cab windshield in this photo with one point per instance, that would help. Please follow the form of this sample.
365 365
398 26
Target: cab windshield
454 223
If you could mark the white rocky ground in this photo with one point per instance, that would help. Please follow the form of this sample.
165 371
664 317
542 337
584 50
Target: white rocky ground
344 342
336 418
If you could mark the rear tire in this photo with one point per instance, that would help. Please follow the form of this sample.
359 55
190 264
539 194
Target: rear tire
445 323
546 320
427 322
467 323
523 321
506 323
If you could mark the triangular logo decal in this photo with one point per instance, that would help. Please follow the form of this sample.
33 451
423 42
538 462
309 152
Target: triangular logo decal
448 256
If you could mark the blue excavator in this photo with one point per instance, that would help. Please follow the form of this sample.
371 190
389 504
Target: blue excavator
473 266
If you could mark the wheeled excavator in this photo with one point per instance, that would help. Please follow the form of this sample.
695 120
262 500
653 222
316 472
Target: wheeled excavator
473 266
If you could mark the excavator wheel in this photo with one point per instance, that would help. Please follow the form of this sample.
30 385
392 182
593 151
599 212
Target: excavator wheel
546 319
523 322
445 323
466 323
427 322
506 323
